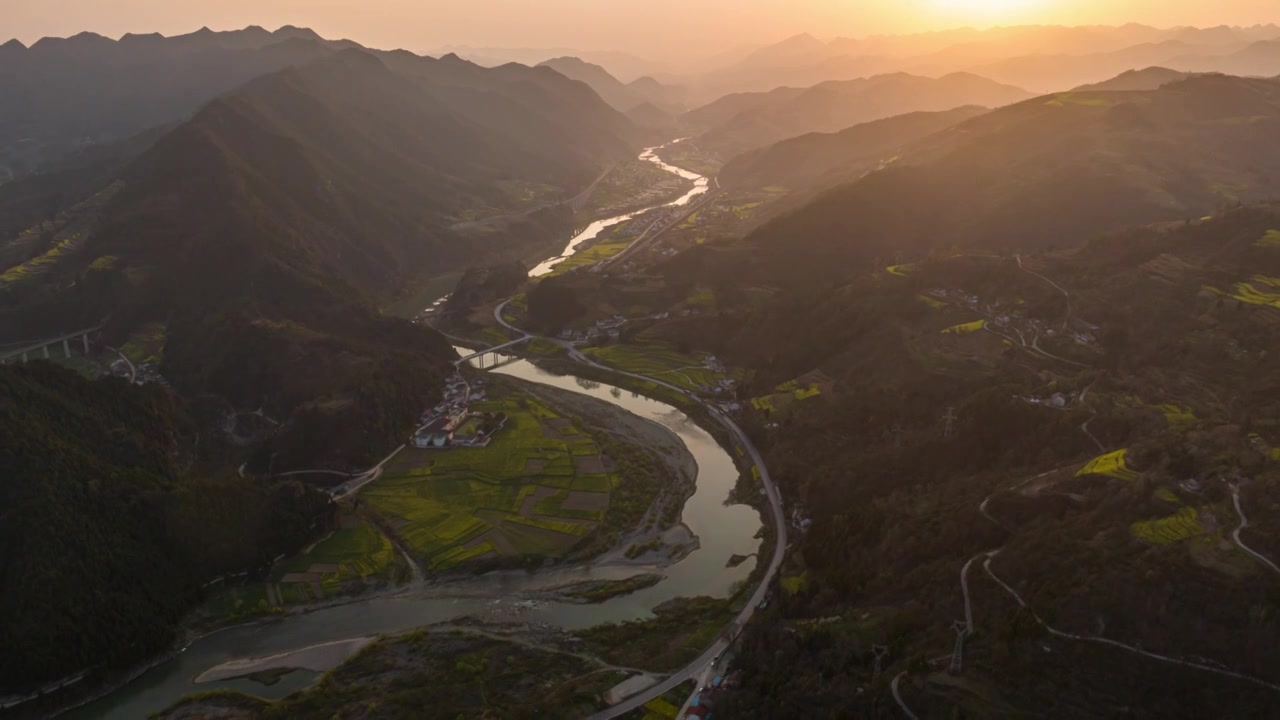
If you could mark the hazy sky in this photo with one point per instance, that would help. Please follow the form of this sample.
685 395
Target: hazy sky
653 28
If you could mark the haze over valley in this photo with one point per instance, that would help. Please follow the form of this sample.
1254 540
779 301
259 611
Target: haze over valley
816 359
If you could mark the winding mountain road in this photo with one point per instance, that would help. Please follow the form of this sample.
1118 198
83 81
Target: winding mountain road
986 566
1244 523
897 695
1113 643
1067 318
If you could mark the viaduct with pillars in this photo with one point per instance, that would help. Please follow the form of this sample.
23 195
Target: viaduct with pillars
21 352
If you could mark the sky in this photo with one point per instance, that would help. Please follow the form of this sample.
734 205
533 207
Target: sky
652 28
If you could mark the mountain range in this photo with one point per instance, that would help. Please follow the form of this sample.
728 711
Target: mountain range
262 232
742 122
623 97
1046 172
1038 58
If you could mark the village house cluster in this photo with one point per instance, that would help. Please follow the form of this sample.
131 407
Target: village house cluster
451 423
1079 331
704 701
610 328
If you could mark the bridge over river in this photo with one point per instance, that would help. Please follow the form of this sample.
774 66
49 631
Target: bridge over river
23 350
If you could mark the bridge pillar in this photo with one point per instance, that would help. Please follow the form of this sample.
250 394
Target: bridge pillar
880 652
85 338
45 350
66 347
961 629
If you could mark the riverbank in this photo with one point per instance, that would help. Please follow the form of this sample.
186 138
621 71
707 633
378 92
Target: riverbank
317 658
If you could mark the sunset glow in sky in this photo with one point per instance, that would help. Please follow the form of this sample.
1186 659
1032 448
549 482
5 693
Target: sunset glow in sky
649 27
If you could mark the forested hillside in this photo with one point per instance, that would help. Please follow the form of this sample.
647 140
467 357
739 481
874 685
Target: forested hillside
1044 173
105 539
1111 402
261 233
766 118
818 161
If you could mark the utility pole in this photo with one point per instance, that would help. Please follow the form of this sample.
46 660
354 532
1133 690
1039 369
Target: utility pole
961 629
880 651
950 418
897 435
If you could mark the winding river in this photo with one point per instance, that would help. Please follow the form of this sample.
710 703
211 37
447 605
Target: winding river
593 230
723 530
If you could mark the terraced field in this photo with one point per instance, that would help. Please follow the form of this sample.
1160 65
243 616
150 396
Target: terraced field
1271 239
1258 290
806 386
1111 464
146 344
965 328
1178 417
538 488
1183 524
661 361
357 551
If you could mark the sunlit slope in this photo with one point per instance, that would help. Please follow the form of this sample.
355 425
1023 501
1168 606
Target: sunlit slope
1048 172
834 106
819 160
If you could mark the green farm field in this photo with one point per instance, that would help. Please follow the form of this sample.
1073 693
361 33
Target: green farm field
356 552
451 506
660 361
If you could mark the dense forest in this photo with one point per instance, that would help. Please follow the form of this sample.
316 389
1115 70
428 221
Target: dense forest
1177 375
105 538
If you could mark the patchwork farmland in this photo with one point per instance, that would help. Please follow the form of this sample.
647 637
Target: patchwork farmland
540 487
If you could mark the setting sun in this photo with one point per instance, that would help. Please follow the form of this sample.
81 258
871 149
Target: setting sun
989 9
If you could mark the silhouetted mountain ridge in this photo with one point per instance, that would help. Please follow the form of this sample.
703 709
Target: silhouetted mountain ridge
1046 172
836 105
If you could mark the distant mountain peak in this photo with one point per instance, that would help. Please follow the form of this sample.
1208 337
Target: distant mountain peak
801 38
139 38
295 31
452 57
79 40
13 45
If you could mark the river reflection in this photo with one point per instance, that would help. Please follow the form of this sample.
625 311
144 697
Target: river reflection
594 229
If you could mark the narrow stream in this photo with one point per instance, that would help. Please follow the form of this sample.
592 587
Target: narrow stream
723 530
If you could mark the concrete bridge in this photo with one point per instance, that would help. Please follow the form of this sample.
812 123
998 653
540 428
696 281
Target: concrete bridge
481 353
579 201
23 351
